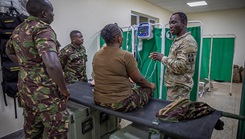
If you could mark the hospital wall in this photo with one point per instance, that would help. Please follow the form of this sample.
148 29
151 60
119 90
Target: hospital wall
225 22
88 16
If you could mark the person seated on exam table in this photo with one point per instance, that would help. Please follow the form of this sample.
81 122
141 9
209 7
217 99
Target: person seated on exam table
112 68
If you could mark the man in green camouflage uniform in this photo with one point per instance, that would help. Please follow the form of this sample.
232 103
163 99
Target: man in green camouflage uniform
73 59
180 64
42 90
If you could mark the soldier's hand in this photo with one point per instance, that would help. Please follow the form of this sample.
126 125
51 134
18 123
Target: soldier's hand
66 94
92 82
153 86
156 56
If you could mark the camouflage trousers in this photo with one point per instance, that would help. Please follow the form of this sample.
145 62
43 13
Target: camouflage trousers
176 92
139 97
55 125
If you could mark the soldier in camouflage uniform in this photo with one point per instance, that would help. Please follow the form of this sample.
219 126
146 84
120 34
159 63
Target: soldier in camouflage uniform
180 64
42 90
73 59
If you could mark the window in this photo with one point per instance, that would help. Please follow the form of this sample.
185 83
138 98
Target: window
134 19
137 18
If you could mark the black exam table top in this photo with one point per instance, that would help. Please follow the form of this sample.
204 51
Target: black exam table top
200 128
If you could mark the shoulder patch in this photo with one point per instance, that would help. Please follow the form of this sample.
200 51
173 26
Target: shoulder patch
191 57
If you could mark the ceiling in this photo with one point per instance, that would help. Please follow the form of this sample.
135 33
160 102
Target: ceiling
213 5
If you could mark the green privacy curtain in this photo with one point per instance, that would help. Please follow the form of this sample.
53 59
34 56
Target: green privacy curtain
149 68
241 124
102 42
196 33
206 44
221 61
168 43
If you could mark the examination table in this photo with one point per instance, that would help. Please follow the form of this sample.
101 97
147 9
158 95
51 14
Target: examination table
200 128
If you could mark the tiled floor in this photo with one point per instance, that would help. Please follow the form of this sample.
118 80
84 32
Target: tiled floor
219 98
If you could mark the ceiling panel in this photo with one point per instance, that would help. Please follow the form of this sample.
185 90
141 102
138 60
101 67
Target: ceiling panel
213 5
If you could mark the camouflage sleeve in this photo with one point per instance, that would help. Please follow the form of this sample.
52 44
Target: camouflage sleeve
185 57
63 58
10 46
85 55
58 46
45 41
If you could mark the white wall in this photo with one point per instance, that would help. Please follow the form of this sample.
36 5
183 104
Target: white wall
88 16
225 22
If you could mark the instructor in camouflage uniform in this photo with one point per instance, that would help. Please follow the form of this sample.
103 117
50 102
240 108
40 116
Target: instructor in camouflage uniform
73 59
180 64
42 91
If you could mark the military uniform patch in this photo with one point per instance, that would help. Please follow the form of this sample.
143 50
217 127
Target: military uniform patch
191 57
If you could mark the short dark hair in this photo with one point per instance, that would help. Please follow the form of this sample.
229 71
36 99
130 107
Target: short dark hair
182 16
73 33
109 32
35 7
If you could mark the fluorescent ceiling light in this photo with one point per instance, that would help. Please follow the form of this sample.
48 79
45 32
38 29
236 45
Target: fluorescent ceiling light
198 3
